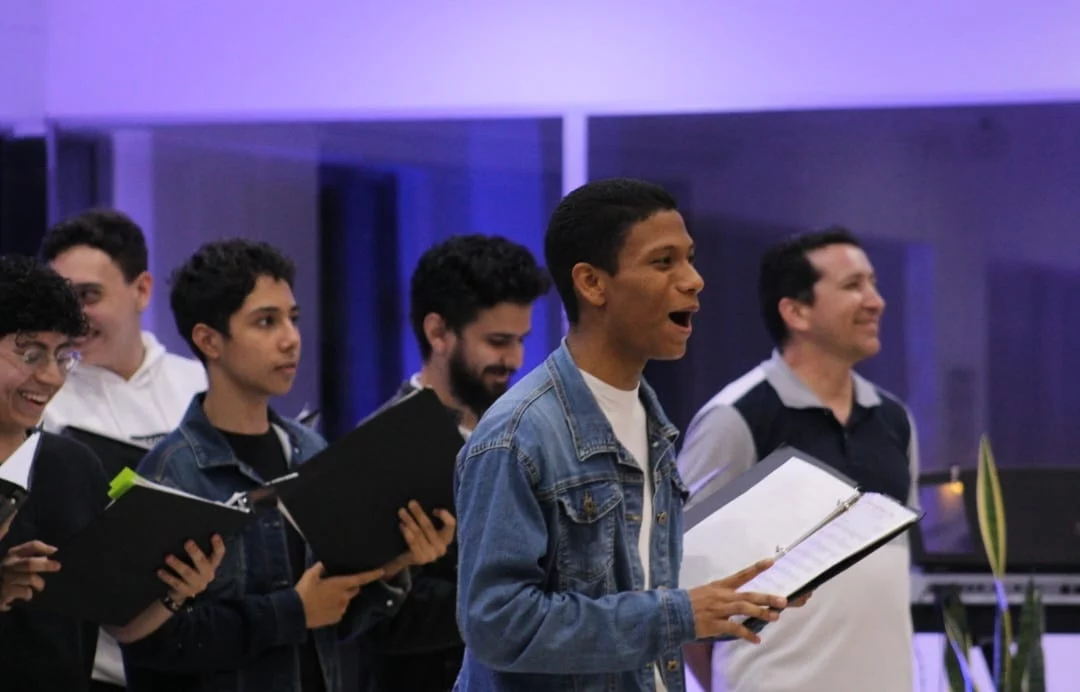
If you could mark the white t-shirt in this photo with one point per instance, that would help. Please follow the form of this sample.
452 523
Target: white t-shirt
144 408
627 417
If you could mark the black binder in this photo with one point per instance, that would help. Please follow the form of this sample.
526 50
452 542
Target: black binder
16 477
345 499
108 571
115 454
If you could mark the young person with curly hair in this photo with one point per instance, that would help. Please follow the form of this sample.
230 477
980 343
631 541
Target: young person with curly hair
40 320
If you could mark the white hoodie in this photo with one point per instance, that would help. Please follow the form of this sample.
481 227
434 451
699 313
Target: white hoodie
145 408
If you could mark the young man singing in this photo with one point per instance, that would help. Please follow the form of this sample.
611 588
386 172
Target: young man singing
570 504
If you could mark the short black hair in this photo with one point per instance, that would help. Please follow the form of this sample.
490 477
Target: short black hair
108 230
465 274
590 225
214 283
35 299
786 272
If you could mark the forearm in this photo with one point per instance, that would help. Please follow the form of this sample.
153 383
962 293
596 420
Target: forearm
144 624
222 634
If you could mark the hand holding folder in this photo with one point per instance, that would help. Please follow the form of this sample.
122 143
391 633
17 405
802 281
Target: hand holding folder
347 501
811 521
21 572
111 571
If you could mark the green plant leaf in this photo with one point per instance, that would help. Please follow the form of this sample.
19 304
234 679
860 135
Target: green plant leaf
1027 638
957 643
990 509
1036 673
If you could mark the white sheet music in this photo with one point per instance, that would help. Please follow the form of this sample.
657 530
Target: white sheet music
773 514
16 469
870 519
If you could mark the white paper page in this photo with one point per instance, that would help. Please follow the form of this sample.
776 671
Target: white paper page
869 520
16 469
773 514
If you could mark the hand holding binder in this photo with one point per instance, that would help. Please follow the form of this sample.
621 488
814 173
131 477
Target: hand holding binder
326 598
21 572
111 571
825 526
720 607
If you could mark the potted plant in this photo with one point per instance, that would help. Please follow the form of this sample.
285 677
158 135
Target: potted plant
1017 664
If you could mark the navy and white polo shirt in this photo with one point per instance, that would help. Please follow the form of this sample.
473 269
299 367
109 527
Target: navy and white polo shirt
856 632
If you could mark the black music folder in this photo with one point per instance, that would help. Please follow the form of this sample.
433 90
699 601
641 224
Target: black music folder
16 476
115 454
345 499
810 518
108 572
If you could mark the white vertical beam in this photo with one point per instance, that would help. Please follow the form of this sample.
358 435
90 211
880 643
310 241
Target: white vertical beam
575 151
133 193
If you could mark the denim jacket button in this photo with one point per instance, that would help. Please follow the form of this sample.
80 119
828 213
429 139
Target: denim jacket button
661 518
672 665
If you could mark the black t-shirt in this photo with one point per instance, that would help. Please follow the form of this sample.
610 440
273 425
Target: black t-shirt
266 456
42 651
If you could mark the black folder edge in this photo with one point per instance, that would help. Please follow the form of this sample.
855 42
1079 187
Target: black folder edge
12 498
314 471
748 479
95 609
12 495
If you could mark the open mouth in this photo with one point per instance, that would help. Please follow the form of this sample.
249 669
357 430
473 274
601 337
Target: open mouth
681 318
35 398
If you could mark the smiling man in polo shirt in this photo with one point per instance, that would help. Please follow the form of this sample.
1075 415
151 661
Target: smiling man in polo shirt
821 306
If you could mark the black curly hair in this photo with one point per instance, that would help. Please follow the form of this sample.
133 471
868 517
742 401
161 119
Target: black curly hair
110 231
465 274
35 299
214 283
591 224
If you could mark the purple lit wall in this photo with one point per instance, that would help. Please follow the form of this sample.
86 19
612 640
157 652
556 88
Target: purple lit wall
281 59
22 63
983 197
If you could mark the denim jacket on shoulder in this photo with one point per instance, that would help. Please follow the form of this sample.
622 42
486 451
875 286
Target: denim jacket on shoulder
551 589
242 633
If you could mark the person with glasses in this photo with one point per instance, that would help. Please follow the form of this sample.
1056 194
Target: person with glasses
40 320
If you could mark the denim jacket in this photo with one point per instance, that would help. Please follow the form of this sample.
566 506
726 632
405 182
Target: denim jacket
551 591
243 632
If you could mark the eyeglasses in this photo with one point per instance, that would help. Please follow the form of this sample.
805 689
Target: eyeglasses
34 357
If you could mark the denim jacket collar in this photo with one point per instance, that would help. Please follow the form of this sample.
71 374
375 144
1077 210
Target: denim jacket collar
589 426
210 447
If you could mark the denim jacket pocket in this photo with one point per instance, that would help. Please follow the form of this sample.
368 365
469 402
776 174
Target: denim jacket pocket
588 520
